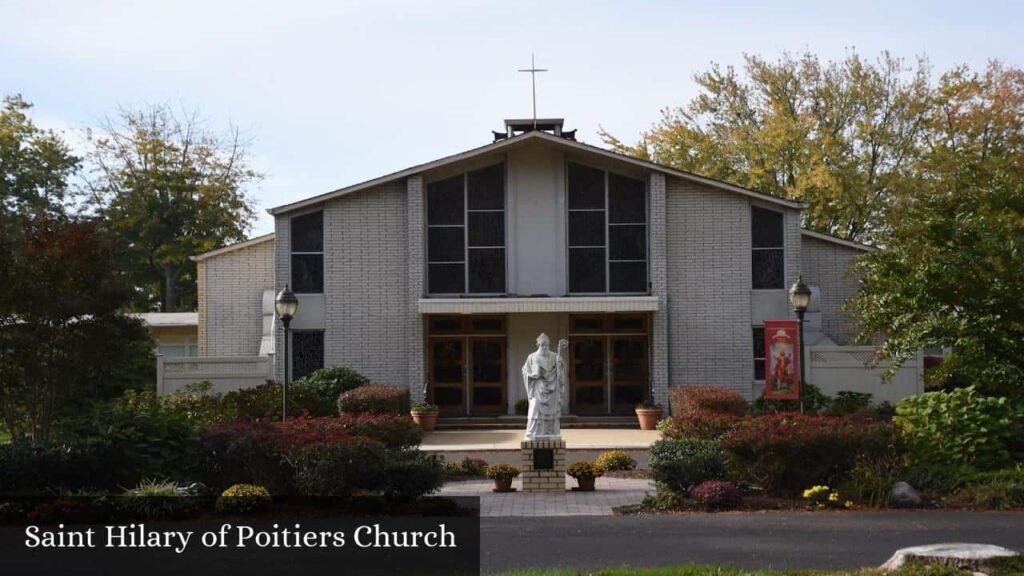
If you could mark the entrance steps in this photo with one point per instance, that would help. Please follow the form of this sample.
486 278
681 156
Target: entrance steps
519 422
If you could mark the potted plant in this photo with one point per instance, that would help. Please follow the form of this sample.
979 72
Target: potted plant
502 474
425 415
648 413
522 406
585 473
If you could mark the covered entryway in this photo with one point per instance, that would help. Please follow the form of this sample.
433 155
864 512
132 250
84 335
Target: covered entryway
466 364
609 364
473 361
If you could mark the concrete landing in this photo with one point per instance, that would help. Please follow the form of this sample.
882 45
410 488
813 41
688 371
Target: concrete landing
502 446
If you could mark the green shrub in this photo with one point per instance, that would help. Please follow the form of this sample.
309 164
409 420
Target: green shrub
961 427
615 460
327 384
847 403
337 469
375 399
999 490
200 405
682 463
244 499
784 453
263 402
138 436
154 500
686 399
409 474
813 399
244 451
663 500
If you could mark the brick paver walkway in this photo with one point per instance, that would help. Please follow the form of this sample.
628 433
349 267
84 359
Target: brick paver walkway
610 493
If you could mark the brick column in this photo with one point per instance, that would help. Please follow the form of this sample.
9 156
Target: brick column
414 209
659 288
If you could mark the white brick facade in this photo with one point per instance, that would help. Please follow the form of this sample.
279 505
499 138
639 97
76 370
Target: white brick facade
827 265
709 279
231 288
366 271
658 263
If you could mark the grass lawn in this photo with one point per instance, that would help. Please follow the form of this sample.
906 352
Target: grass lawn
719 571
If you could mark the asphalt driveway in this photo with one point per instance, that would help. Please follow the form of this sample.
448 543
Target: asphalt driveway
770 540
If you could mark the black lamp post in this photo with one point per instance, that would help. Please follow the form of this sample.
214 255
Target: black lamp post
286 304
800 298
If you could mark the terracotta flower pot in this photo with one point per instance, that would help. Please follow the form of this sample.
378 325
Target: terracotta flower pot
426 420
503 485
648 418
586 484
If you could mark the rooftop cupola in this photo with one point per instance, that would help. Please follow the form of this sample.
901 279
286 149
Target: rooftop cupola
517 126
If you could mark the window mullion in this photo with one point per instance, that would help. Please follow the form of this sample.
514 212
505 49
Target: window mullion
465 232
607 241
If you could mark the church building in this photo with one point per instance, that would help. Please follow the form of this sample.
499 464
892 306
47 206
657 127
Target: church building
439 277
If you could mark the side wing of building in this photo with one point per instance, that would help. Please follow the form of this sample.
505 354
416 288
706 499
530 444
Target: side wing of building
231 283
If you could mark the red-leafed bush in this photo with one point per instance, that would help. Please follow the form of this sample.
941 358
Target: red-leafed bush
374 399
309 431
701 424
785 453
686 399
392 430
717 494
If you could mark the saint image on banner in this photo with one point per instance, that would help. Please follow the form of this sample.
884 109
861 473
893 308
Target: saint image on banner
782 347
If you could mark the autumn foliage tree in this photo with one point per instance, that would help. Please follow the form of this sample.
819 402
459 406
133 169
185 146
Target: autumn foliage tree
841 136
63 336
168 188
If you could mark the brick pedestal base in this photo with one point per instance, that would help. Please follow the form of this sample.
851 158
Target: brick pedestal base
549 455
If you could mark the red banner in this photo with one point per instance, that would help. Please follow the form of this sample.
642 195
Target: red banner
782 359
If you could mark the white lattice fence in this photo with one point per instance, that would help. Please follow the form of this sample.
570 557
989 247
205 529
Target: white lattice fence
225 373
838 368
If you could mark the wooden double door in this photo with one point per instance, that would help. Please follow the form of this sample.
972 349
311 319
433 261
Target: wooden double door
609 364
467 371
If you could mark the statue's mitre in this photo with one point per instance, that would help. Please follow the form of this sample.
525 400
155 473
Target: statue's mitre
543 339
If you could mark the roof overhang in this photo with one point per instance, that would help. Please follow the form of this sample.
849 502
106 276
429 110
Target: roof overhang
840 241
522 138
244 244
533 305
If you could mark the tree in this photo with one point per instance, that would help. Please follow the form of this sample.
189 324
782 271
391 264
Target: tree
169 188
952 274
63 338
35 165
841 136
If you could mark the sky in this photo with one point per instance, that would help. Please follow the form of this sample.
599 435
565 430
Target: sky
332 93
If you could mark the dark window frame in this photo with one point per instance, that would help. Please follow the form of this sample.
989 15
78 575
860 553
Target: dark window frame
468 248
781 249
609 225
295 286
757 334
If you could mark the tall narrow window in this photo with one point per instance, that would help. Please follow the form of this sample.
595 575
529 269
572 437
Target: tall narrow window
607 232
768 254
307 245
758 353
466 233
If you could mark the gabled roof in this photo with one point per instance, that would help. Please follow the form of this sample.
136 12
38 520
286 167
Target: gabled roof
231 248
840 241
502 144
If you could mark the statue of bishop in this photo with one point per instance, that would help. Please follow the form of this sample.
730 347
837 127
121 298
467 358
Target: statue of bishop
544 375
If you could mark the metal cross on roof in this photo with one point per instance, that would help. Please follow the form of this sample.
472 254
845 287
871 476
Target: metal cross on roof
533 84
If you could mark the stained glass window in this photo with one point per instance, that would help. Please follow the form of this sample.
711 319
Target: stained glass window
307 352
307 258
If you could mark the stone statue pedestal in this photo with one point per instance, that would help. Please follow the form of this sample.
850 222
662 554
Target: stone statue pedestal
543 465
